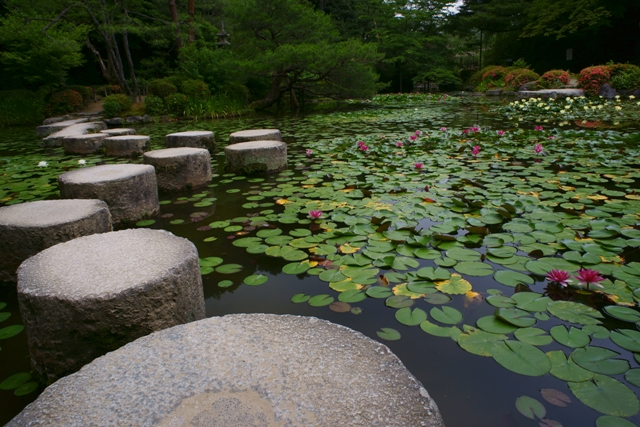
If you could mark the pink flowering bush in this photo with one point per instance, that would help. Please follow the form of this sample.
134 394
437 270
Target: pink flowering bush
592 78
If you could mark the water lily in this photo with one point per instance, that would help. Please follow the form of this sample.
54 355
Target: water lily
82 162
413 137
500 132
418 132
308 153
560 277
418 165
538 149
315 214
43 164
537 127
551 138
399 144
476 150
465 131
443 129
474 129
588 277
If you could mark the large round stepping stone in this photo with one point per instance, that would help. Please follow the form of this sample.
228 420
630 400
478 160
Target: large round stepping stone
125 145
83 298
255 135
256 156
119 131
237 371
194 138
84 144
180 168
28 228
130 191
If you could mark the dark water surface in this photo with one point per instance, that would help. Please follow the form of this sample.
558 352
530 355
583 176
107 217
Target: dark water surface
470 390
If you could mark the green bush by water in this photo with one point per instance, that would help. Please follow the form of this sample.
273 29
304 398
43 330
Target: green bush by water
20 107
116 104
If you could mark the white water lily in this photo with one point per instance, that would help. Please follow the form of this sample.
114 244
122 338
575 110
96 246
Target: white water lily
43 164
82 162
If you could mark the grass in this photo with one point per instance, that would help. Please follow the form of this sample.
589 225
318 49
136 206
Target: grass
20 107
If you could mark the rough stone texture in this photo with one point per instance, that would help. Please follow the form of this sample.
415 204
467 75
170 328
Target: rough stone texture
52 120
52 127
130 191
28 228
494 92
256 156
606 91
138 119
56 139
119 131
236 371
83 298
195 139
84 144
255 135
114 121
528 86
125 145
180 168
551 93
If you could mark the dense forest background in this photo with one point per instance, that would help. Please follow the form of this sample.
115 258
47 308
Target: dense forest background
302 48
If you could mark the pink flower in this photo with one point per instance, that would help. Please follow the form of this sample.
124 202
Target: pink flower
443 129
465 131
413 137
360 143
501 132
364 147
476 150
315 214
538 149
551 138
399 144
309 153
538 128
560 277
588 276
474 129
418 165
418 132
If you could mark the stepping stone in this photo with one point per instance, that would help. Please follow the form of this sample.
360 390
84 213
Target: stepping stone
241 370
88 296
180 168
50 127
28 228
551 93
84 144
119 131
194 138
56 139
256 156
130 191
255 135
125 145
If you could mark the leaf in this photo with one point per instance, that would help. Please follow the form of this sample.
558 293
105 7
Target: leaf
433 274
10 331
512 278
533 336
225 283
494 325
573 338
388 334
566 369
606 395
320 300
574 312
625 314
462 254
411 318
600 360
627 339
530 407
632 375
399 301
479 342
379 292
229 268
437 298
456 285
515 316
340 307
609 421
555 397
352 296
531 301
298 298
501 301
210 261
26 388
521 358
255 280
474 268
15 381
435 330
446 315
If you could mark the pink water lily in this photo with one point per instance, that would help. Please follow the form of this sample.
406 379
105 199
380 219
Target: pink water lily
551 138
399 144
560 277
465 131
538 127
418 132
538 149
443 129
474 129
589 277
500 132
308 153
413 137
418 165
315 214
476 150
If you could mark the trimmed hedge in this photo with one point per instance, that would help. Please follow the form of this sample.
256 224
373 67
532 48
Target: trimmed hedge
554 79
516 78
592 78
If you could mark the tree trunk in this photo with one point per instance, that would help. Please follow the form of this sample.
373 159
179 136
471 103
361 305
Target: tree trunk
136 89
273 96
174 17
192 13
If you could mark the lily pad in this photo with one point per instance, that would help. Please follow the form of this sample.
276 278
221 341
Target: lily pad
255 280
530 407
606 395
298 298
229 268
26 388
512 278
379 292
15 381
574 312
494 325
625 314
435 330
609 421
479 342
411 318
388 334
566 369
446 315
474 268
10 331
437 298
627 339
456 285
521 358
515 316
533 336
352 296
573 337
320 300
600 360
555 397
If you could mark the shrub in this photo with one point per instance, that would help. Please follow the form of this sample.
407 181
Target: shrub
196 89
627 78
176 103
161 88
554 79
592 78
175 80
154 105
85 91
21 107
489 77
518 77
64 102
115 104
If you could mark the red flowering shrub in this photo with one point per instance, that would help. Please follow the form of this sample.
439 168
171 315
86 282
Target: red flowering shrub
489 77
518 77
554 79
592 78
64 102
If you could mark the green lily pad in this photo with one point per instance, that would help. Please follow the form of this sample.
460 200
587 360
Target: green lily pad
627 339
515 316
574 312
255 280
512 278
530 407
455 285
320 300
246 242
533 336
296 268
479 342
398 301
211 261
229 268
433 274
573 337
494 325
521 358
462 254
632 375
15 381
609 421
145 223
596 331
302 297
625 314
501 301
352 296
379 292
474 268
599 360
225 283
437 298
10 331
388 334
26 388
531 301
411 318
606 395
566 369
446 315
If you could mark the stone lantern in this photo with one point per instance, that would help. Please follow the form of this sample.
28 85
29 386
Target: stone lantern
222 37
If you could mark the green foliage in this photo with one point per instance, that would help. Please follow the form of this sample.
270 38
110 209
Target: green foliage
627 78
161 88
554 79
562 18
20 107
64 102
592 78
115 104
195 89
176 104
85 91
154 105
489 77
516 78
520 63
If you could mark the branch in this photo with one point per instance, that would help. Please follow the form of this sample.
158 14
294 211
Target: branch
55 21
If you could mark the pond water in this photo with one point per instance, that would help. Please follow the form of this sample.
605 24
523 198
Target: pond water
454 239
